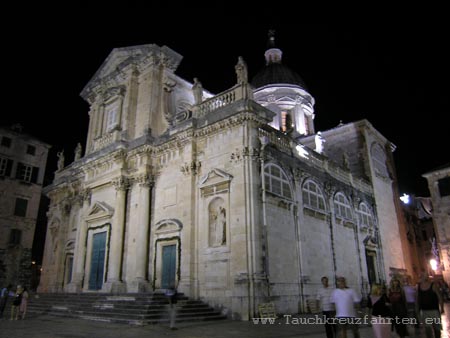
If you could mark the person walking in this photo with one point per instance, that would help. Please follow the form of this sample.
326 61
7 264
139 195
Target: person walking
410 291
4 294
171 294
23 303
429 306
328 311
15 307
345 299
398 305
381 313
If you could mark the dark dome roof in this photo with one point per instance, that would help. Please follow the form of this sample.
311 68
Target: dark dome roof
276 73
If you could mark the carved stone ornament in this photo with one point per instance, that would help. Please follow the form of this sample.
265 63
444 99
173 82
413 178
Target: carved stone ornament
145 180
121 183
192 168
299 174
236 156
168 84
329 189
113 92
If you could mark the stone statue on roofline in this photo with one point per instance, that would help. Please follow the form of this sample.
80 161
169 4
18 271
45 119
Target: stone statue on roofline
60 155
241 71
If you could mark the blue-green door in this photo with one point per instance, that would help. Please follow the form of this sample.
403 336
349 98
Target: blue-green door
169 262
97 261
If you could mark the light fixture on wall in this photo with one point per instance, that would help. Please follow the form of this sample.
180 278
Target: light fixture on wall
433 264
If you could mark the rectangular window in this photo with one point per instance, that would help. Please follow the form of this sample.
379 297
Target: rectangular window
112 118
31 150
27 173
15 236
444 186
5 166
6 142
21 207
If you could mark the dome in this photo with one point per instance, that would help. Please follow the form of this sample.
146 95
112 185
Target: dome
274 73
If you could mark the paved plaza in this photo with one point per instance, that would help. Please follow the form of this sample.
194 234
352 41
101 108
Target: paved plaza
44 326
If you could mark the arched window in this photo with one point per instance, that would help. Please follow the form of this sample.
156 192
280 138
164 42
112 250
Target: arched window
342 206
276 181
312 196
365 216
379 160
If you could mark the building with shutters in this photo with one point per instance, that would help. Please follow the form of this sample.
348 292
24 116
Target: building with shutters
23 159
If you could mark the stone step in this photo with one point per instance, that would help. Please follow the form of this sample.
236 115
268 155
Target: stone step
137 309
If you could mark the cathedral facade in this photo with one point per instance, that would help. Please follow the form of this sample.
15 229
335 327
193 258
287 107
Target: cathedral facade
232 197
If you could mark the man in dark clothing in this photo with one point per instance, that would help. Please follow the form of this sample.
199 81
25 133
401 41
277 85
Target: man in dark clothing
429 305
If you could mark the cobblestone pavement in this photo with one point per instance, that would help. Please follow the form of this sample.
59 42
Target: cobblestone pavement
43 326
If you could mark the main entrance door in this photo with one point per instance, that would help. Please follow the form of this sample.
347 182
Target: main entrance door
169 262
97 261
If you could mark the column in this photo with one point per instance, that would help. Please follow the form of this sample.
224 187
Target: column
114 282
142 246
80 248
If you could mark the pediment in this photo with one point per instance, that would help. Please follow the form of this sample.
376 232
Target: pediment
215 182
70 245
215 176
121 57
100 210
168 225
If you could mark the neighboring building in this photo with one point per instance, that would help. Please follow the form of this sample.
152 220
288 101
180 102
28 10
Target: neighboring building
22 166
439 186
420 233
233 196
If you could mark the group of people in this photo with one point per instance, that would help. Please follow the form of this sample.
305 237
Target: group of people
19 301
391 309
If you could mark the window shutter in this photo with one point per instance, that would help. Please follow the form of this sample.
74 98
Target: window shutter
34 175
9 164
19 170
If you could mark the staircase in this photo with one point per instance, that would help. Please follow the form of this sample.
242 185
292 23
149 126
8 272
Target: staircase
135 309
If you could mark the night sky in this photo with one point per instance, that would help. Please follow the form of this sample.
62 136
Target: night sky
392 70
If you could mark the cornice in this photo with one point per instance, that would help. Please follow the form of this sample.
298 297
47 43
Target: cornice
230 122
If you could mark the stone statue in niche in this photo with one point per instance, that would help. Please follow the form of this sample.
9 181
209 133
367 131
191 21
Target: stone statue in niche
217 224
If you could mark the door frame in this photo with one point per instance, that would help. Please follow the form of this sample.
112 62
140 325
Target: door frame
91 231
158 264
96 249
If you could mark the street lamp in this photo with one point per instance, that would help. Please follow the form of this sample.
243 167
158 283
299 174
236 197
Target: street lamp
433 264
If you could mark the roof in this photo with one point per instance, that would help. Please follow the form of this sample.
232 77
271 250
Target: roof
275 73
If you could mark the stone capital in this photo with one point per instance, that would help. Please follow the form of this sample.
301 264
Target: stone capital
145 180
121 183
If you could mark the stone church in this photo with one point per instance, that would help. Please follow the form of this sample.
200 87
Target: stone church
233 197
